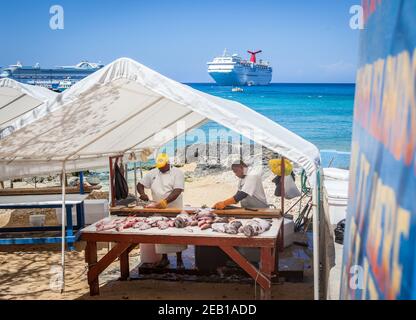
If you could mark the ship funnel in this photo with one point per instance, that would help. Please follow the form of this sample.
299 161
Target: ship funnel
253 55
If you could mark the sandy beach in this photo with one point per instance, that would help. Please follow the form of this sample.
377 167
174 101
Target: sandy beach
26 272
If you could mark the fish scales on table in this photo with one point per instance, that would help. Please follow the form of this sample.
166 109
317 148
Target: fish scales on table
249 228
183 220
218 227
117 224
255 227
233 227
128 223
142 225
162 224
203 219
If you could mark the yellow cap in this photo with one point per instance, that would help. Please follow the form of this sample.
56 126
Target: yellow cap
275 166
162 160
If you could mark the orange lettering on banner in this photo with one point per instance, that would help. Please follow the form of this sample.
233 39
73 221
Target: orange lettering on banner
410 144
387 224
386 104
401 229
405 92
376 103
369 6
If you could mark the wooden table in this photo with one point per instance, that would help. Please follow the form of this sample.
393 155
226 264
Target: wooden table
128 239
236 212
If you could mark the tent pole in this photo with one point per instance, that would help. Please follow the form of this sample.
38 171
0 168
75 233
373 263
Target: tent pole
111 191
316 209
81 182
282 202
135 182
63 215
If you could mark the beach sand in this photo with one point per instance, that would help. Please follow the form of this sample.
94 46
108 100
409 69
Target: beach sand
27 272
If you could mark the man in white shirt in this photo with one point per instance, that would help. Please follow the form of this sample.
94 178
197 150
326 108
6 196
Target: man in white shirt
251 195
250 189
167 184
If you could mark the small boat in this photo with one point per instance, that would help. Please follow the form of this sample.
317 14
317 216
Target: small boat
237 89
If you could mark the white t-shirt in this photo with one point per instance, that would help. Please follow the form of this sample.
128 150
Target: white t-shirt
253 186
162 184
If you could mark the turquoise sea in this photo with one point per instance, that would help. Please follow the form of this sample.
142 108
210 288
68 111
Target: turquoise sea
320 113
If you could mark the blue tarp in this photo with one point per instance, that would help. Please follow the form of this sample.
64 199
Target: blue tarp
380 239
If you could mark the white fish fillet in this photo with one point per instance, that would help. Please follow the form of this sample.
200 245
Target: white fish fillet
218 227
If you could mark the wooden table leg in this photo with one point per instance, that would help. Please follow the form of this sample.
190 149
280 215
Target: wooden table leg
95 268
262 276
280 237
91 259
124 263
266 267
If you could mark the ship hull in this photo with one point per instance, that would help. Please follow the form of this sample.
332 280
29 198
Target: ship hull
235 78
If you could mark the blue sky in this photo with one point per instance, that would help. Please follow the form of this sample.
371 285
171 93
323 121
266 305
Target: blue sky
305 40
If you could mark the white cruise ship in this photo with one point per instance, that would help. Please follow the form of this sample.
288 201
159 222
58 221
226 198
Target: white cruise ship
232 70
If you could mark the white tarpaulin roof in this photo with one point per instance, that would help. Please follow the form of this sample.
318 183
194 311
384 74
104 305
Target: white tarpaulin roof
21 104
121 108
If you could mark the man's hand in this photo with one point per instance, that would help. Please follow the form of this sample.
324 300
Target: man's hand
223 204
220 205
144 197
162 204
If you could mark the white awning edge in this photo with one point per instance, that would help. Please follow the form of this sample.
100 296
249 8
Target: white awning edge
112 98
21 104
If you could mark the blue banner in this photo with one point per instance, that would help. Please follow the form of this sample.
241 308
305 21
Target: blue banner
379 259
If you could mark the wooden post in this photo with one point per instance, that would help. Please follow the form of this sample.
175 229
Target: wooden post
266 267
91 259
124 265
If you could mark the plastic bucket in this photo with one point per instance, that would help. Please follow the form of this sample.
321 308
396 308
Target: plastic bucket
37 220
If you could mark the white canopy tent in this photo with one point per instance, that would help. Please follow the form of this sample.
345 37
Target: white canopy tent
21 104
127 107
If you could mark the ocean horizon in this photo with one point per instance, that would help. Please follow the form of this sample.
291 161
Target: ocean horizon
321 113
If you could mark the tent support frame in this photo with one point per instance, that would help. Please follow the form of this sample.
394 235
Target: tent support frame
63 219
316 208
114 127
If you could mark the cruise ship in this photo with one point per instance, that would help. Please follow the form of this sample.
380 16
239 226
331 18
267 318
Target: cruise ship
232 70
57 79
